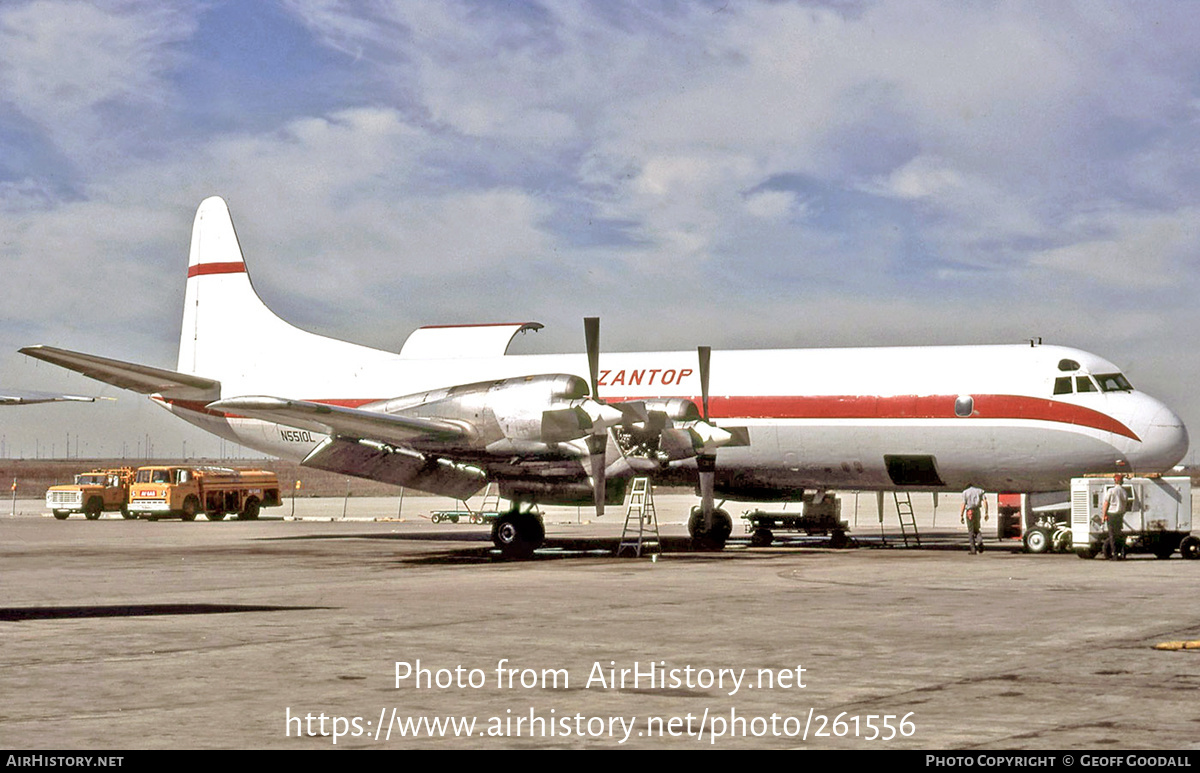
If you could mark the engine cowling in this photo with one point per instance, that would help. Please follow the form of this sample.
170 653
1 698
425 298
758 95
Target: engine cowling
523 415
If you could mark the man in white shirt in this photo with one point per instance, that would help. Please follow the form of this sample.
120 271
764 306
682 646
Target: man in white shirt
1116 504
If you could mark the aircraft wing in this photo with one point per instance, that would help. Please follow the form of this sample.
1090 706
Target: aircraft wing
345 422
127 375
15 397
372 444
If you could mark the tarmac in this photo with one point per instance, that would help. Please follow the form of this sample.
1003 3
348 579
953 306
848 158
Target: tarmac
360 624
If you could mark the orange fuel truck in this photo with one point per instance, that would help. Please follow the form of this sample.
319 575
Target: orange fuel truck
172 491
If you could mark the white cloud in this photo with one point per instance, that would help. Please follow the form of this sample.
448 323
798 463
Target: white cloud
64 63
771 205
755 171
1124 250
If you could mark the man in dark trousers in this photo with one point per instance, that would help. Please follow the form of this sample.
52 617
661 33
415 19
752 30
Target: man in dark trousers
973 501
1116 504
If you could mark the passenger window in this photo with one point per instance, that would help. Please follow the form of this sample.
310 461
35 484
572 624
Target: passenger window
1062 385
964 406
1084 384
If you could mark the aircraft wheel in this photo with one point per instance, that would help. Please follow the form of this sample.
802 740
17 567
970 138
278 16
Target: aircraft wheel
761 538
1190 547
715 539
61 515
1037 541
518 534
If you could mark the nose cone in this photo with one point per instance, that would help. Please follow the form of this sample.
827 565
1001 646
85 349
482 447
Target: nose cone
1164 441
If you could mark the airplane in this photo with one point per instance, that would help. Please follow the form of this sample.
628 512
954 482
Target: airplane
26 397
453 411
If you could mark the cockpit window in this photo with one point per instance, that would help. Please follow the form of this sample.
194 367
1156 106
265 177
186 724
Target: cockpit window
1068 365
1084 384
1114 382
1062 385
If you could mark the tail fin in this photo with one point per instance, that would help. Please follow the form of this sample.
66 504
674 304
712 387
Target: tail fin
228 332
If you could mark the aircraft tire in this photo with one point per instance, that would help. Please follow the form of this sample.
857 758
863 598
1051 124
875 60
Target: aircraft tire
714 540
517 535
1189 548
761 538
1037 540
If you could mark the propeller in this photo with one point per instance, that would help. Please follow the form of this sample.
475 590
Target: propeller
706 459
699 438
597 441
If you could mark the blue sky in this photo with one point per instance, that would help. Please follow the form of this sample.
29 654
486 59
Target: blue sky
741 174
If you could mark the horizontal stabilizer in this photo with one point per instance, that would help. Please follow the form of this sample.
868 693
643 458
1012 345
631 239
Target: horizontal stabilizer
396 466
346 422
128 375
439 342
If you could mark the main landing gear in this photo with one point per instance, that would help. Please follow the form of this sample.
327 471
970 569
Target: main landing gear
518 533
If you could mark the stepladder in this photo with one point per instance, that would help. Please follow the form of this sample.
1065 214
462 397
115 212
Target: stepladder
640 534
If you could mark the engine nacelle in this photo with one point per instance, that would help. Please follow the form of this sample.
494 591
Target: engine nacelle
526 413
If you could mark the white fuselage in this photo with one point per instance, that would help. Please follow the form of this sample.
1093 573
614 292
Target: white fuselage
1007 418
827 418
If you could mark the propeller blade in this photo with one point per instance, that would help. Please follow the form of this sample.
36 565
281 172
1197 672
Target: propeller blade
705 353
591 334
633 412
598 440
709 439
708 472
596 448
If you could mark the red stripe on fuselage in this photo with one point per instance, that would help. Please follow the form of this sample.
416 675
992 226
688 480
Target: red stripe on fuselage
870 407
912 407
203 269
